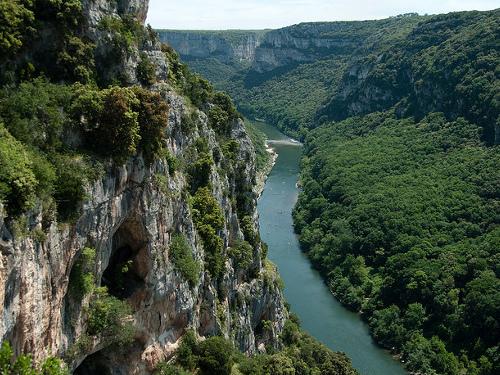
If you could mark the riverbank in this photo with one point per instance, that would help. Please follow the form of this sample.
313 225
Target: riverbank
321 315
263 173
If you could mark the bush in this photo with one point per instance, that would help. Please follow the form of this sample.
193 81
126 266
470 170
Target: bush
153 120
18 182
110 124
167 369
182 258
72 176
118 122
186 354
218 119
76 60
16 17
199 172
146 71
82 277
23 365
242 254
172 162
108 318
215 356
208 218
34 113
248 229
197 88
126 33
118 131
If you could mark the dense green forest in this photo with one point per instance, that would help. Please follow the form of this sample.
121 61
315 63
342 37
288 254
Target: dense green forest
400 204
448 63
402 219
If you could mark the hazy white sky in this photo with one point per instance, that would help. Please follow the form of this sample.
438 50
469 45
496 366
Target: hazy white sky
260 14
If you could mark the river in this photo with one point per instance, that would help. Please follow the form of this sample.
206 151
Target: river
320 313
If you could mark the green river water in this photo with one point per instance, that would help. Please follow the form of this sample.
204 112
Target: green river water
320 313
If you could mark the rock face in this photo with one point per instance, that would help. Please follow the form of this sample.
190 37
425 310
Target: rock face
225 46
138 207
265 50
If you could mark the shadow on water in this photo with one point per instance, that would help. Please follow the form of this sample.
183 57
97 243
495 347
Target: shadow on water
320 313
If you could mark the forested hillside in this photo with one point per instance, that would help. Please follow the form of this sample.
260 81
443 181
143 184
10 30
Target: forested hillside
400 205
402 218
448 63
289 93
423 63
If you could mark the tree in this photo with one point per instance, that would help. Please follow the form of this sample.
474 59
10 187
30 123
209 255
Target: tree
215 356
15 21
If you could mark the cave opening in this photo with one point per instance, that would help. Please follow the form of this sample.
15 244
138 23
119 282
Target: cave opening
128 265
96 363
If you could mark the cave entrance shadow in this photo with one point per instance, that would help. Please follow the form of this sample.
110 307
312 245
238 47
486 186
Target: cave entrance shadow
94 364
129 262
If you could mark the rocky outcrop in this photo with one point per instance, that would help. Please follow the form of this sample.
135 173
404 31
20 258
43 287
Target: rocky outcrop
225 46
95 10
135 209
303 43
265 50
127 207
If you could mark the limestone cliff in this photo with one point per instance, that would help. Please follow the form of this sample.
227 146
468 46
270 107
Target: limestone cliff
265 50
131 212
226 46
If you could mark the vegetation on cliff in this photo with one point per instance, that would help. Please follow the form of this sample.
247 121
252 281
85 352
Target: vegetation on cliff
301 355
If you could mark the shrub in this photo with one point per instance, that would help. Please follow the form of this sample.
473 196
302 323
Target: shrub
175 67
146 71
72 175
208 218
224 101
199 172
117 122
218 119
76 60
182 258
197 88
291 333
18 183
23 365
34 112
186 354
16 19
230 150
189 121
248 229
167 369
215 356
108 318
172 162
118 131
161 182
126 32
82 278
153 120
242 254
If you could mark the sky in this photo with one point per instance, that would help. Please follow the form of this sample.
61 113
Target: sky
263 14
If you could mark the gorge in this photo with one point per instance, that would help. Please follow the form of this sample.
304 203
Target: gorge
132 239
399 198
